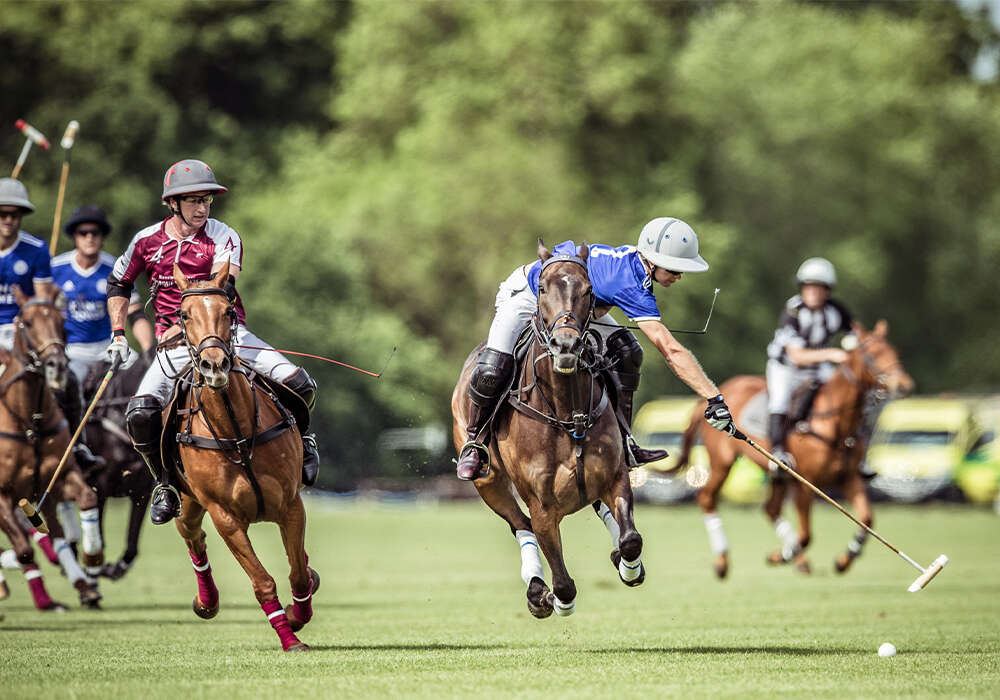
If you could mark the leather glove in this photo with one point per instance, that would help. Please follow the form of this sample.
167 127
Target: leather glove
718 415
119 349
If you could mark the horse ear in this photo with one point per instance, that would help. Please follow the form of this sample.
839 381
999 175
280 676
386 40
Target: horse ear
543 252
881 328
19 296
222 275
584 251
179 279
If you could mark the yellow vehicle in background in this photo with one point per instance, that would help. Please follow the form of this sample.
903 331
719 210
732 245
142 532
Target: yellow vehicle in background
979 474
919 444
661 424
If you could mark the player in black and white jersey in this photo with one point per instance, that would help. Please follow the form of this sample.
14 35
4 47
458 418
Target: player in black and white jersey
799 350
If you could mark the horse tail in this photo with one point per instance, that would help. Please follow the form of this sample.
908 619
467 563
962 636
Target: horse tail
687 441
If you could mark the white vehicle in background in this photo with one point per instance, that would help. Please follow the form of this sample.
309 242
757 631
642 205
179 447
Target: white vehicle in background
918 445
660 424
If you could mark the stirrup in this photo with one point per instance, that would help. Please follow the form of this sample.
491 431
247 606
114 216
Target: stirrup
484 457
178 511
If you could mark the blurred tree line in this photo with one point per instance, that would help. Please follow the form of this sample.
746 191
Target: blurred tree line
390 162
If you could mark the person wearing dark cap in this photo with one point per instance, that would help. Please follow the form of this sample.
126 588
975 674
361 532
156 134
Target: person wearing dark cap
82 275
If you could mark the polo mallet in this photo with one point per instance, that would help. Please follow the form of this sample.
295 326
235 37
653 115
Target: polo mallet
33 513
67 143
925 574
31 135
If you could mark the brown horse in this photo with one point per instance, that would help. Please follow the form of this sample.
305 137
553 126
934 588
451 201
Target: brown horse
33 438
827 446
561 448
242 460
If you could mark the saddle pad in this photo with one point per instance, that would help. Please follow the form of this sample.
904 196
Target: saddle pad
753 417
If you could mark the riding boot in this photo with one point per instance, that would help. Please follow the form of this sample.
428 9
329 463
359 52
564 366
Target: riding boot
635 456
776 433
305 387
70 401
474 458
144 421
488 383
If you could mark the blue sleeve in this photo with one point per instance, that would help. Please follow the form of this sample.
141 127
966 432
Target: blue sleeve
43 266
637 303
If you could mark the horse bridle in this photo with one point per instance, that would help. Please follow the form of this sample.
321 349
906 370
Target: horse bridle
35 357
544 333
881 375
212 340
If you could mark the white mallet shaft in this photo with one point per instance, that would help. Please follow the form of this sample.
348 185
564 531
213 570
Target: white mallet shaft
21 158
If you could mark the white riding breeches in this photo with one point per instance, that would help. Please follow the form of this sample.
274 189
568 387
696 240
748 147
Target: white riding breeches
782 380
7 336
83 356
159 378
516 304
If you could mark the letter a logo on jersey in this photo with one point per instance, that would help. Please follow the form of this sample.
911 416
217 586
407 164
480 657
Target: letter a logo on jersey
229 244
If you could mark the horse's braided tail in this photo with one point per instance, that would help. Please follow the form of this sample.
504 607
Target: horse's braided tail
687 442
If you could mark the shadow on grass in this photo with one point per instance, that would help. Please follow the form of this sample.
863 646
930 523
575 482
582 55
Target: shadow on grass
610 651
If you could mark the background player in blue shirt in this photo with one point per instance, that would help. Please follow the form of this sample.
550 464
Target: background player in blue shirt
24 259
81 274
621 277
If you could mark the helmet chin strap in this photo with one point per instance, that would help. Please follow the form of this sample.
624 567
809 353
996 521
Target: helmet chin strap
177 211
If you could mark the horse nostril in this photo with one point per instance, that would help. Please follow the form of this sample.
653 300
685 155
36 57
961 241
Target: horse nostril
224 366
206 366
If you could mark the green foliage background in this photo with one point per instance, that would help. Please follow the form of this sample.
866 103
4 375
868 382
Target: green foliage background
390 162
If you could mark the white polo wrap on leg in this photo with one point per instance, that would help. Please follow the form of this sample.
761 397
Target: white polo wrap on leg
716 535
69 563
66 512
563 609
630 570
531 562
606 516
90 522
8 559
789 539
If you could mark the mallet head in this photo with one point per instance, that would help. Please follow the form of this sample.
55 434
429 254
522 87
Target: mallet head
929 573
32 134
33 516
70 135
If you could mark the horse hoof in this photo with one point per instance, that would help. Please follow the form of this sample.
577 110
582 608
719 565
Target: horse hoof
205 613
637 581
4 591
115 570
721 566
775 558
55 607
803 567
539 599
315 579
841 563
90 598
298 647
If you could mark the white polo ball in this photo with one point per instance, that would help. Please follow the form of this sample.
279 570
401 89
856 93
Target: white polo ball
887 649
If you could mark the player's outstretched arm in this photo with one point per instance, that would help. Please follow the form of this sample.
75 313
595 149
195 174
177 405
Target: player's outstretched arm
679 359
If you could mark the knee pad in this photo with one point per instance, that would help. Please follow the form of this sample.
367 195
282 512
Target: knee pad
302 384
490 376
624 351
144 420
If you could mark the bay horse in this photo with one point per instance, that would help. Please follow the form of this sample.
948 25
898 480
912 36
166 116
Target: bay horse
33 438
827 447
242 461
556 440
124 474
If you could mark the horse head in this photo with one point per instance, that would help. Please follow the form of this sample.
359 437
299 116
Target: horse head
207 320
565 303
877 362
39 337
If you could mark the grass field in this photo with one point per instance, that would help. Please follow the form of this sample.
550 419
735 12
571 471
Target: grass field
427 601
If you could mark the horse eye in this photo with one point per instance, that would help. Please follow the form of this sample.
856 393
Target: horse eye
27 324
183 315
541 289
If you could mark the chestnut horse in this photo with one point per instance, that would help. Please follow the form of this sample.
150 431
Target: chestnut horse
827 446
33 438
561 448
242 461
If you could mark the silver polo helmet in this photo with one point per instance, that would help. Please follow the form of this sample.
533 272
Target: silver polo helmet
189 175
13 193
817 271
671 244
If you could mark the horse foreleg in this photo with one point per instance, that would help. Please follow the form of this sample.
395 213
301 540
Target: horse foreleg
137 514
206 602
708 499
496 493
627 555
75 489
803 504
857 494
546 529
293 535
786 533
22 556
90 597
234 533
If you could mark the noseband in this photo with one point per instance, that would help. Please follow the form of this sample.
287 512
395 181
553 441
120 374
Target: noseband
881 375
565 318
211 340
35 357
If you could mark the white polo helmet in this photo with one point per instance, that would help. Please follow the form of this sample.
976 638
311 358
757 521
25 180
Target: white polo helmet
817 271
671 244
13 193
187 176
